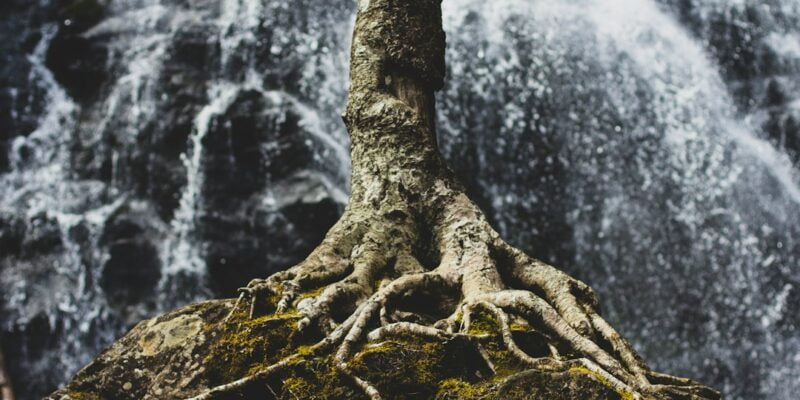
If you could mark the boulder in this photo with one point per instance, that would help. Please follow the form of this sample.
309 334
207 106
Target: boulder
188 351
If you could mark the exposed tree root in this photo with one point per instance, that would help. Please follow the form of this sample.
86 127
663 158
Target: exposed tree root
476 272
413 256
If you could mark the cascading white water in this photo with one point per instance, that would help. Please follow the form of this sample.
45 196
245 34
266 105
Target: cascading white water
79 207
184 259
678 209
604 136
184 255
37 187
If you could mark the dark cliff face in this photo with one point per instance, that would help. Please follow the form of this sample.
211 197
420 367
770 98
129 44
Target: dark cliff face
142 172
755 47
21 101
160 152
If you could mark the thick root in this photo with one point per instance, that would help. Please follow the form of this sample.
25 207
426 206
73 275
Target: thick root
483 273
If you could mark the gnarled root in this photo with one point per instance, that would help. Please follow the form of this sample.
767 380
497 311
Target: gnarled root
369 270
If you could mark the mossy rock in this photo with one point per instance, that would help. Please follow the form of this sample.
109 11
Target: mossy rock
185 352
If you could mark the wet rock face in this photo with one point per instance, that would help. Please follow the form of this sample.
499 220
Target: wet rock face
132 270
106 216
21 101
254 145
29 247
155 169
78 62
253 142
158 359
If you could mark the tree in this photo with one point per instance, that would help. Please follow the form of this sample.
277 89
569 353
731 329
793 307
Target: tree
413 256
409 228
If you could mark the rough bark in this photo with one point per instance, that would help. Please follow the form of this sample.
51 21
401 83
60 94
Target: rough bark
413 257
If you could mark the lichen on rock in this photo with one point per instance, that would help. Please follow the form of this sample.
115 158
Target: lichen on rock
184 353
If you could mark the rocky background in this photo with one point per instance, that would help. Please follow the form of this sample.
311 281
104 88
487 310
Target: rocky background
158 152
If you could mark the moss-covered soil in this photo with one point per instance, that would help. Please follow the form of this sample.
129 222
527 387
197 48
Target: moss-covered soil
187 351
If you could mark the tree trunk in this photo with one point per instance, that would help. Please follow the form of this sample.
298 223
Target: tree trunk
409 230
412 266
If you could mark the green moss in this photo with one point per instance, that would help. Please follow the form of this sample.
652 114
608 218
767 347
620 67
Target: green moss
409 369
413 368
505 364
78 395
316 379
378 283
312 293
482 323
399 368
457 389
624 395
299 387
303 350
402 368
244 346
516 326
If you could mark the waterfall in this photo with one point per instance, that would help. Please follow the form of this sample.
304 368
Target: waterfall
184 259
179 149
639 172
63 299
